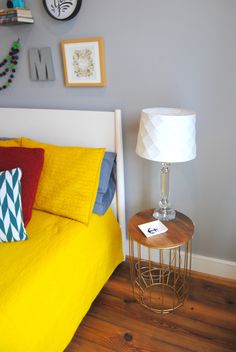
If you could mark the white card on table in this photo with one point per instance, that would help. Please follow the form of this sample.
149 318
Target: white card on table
153 228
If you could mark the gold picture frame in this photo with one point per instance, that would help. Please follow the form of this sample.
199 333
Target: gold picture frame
83 62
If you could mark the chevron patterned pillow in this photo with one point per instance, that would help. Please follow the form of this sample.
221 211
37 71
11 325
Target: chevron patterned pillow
11 221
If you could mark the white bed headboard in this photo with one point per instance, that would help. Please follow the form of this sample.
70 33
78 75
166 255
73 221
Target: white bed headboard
72 127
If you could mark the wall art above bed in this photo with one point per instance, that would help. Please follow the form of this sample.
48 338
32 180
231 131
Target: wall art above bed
62 10
8 65
83 61
41 64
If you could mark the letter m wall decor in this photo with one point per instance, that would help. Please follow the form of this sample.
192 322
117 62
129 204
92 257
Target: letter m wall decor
41 65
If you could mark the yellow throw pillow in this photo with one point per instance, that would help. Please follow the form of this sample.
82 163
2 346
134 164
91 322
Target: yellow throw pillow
10 142
69 180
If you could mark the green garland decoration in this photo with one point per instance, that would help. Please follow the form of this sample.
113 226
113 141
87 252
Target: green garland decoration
9 64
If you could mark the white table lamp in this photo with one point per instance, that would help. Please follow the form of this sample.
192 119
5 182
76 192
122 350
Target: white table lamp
166 135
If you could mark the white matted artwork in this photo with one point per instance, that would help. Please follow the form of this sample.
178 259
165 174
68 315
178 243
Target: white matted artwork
83 61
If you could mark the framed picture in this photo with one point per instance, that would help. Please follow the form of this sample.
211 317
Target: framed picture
83 61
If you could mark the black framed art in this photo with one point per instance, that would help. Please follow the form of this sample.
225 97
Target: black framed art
62 10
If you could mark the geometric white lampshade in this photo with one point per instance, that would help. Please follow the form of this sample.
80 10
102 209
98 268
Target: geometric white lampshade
167 135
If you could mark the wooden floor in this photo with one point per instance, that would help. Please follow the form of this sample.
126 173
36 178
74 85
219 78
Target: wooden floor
115 322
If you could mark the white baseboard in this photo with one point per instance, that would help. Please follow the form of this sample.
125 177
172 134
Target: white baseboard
214 266
207 265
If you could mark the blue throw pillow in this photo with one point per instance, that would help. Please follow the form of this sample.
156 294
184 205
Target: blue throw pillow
107 184
11 220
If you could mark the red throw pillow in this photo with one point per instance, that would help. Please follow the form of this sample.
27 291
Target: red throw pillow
30 160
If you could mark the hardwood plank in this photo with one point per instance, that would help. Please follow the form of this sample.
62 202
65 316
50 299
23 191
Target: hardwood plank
81 344
168 333
121 338
117 323
220 313
180 323
206 277
222 295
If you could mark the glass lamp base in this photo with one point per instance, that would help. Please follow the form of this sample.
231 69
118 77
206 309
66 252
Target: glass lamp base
164 214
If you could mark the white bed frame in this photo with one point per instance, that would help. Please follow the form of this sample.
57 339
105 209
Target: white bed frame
73 127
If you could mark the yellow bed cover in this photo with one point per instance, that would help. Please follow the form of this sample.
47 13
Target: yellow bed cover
48 282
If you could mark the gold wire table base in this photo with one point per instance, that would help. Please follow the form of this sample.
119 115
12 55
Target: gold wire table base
161 282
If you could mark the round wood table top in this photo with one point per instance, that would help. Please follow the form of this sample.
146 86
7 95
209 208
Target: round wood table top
180 231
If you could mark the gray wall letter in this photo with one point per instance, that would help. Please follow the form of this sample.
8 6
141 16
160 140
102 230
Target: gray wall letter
41 65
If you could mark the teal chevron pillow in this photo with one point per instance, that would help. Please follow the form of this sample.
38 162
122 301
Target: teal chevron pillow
11 221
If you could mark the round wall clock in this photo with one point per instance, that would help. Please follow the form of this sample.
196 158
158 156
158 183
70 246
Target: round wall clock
62 10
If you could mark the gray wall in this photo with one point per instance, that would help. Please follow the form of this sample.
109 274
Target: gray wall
175 53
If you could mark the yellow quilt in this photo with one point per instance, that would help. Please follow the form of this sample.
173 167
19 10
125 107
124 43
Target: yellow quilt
48 282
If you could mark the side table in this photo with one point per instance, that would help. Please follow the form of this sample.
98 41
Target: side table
160 266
